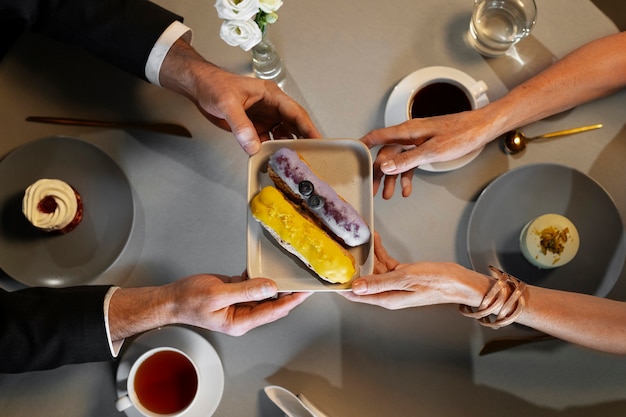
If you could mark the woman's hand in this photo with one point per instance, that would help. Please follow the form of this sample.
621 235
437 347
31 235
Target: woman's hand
394 285
424 141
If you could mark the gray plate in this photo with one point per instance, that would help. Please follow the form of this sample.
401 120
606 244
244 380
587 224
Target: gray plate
37 258
518 196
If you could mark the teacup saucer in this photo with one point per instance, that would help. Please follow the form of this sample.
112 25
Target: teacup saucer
396 108
198 349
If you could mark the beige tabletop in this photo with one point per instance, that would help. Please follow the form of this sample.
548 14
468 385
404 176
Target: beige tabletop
343 58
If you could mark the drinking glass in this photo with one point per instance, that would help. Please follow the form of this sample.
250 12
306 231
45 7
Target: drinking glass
497 25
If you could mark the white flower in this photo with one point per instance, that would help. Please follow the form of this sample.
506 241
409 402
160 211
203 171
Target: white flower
245 20
242 33
269 6
237 9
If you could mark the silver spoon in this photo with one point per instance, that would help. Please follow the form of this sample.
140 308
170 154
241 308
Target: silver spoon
515 141
288 402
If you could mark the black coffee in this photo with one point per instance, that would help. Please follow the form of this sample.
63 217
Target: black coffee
439 98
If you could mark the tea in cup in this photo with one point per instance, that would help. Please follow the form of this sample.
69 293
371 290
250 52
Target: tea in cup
164 381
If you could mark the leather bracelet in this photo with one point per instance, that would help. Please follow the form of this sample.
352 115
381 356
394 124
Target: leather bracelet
507 297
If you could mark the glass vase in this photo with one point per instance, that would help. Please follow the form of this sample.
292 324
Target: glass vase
266 63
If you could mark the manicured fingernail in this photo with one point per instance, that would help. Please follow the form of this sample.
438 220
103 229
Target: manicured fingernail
359 287
388 166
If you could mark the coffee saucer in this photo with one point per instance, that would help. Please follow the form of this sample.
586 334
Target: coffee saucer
198 349
396 109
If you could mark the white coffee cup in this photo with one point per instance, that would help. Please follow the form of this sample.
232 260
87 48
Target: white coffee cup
441 90
163 381
398 108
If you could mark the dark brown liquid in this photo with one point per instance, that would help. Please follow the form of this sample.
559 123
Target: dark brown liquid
166 382
437 99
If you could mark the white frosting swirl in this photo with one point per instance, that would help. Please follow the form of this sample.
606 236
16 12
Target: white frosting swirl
66 205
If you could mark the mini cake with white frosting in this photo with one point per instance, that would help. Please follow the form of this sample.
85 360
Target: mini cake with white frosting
52 205
549 241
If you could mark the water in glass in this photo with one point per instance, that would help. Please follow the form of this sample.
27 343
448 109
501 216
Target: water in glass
497 25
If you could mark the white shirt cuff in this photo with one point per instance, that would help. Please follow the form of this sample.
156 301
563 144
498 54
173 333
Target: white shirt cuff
162 46
114 346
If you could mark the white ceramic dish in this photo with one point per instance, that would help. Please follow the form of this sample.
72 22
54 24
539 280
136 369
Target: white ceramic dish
397 108
37 258
198 349
516 197
531 237
346 165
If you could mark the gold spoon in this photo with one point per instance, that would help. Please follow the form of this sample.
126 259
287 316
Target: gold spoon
515 141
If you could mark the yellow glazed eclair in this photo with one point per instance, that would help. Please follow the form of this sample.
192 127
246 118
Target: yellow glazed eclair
302 237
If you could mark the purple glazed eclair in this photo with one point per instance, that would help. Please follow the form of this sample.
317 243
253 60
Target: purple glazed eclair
294 177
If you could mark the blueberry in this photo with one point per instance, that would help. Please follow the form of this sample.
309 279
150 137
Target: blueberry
306 188
315 202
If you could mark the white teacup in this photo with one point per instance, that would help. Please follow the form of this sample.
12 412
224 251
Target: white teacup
444 90
164 381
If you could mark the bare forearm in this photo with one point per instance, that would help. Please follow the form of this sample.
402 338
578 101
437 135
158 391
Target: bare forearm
590 72
586 320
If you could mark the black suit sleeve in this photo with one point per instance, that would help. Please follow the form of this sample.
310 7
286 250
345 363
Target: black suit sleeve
43 328
121 32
